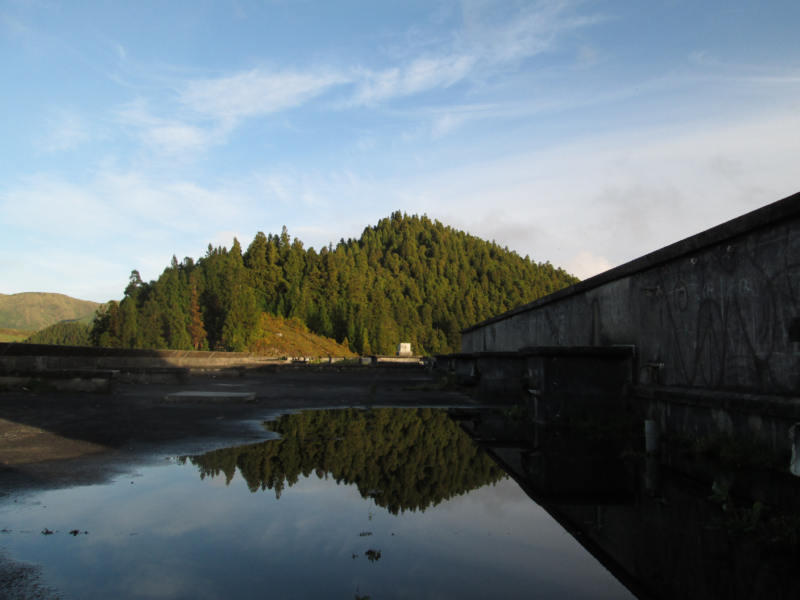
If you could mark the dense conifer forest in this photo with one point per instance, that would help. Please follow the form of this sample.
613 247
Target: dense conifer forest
407 279
402 459
62 334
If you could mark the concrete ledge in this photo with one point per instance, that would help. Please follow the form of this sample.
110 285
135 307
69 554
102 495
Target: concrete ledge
766 419
781 407
214 397
392 358
17 349
593 351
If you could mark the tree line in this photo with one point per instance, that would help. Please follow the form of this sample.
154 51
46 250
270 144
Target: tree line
406 279
402 459
68 333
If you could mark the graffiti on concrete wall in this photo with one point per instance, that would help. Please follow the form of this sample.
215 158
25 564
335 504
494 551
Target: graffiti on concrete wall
730 312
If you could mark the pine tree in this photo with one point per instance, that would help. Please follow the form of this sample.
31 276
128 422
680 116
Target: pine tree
197 332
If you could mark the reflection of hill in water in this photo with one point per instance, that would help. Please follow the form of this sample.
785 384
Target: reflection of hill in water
406 459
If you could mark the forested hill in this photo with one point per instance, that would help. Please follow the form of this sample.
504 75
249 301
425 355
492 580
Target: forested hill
406 279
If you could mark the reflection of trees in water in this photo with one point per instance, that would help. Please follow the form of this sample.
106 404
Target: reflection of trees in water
403 459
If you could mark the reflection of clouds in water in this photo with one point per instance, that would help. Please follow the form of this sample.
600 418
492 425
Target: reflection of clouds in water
208 541
166 577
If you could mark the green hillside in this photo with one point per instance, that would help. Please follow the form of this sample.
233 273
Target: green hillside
36 310
407 279
290 337
14 335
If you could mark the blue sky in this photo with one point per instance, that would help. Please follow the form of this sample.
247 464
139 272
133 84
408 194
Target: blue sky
583 133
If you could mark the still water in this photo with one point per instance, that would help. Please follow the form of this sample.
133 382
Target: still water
393 504
422 503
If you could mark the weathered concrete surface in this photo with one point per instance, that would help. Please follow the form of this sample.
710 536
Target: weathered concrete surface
561 383
720 310
399 359
498 374
46 356
763 418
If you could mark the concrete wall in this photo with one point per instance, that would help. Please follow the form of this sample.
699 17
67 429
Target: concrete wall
720 310
45 356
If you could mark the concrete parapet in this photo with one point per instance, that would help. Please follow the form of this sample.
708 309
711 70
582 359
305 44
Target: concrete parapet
26 356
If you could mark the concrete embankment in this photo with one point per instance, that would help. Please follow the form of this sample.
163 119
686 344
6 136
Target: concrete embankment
714 321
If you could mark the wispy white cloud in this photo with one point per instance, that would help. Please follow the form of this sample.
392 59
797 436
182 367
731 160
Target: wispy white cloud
476 50
203 112
420 75
170 136
523 30
255 92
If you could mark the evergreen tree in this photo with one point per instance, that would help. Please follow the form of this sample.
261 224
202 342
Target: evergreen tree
197 332
406 279
70 333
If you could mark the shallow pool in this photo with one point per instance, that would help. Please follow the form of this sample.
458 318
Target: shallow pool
389 504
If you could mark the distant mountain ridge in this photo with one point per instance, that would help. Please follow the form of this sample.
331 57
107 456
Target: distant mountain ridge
33 311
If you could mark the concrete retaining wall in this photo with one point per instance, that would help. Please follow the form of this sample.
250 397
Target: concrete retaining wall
45 356
719 310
